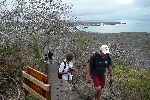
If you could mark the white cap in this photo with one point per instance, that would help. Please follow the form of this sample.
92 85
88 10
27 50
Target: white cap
104 49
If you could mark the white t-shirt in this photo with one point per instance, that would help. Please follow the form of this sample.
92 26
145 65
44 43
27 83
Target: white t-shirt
61 69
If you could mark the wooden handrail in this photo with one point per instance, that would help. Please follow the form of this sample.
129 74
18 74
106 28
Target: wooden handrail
36 83
33 92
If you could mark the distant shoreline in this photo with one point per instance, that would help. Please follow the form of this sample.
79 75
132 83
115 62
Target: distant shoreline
97 23
113 26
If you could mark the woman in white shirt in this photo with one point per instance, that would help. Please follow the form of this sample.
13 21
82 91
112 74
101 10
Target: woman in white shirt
66 67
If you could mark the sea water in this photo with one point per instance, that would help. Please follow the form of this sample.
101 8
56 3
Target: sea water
130 26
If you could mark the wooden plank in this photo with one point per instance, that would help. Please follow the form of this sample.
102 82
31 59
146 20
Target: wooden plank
33 92
36 81
38 75
37 88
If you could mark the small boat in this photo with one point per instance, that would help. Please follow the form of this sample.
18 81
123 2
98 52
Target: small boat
85 27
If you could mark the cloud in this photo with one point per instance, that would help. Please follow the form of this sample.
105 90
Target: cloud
98 9
142 3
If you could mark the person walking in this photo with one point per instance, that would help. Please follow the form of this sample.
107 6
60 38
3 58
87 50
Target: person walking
50 56
66 68
96 69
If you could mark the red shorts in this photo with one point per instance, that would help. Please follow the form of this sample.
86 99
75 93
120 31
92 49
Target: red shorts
98 81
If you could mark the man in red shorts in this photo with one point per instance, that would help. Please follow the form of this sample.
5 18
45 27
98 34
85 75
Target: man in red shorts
96 68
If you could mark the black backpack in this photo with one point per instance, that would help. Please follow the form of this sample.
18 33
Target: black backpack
60 75
50 55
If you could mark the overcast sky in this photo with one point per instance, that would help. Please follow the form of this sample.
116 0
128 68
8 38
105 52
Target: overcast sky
107 9
110 9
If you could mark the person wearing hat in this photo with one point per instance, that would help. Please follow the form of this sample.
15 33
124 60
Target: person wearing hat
96 68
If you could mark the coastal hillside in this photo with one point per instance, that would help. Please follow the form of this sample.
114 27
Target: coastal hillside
130 47
30 29
131 64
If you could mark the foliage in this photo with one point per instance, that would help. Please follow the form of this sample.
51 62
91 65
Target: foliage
81 46
132 83
30 97
35 50
128 83
26 29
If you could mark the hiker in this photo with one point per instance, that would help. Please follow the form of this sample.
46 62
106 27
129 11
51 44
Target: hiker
96 68
66 67
68 63
50 56
45 57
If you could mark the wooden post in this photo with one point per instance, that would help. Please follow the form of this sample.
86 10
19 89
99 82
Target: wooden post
48 96
25 91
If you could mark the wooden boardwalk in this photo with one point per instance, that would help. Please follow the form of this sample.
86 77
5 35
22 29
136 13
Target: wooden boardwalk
58 88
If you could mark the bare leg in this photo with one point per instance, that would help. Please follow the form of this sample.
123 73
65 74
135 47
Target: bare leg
97 93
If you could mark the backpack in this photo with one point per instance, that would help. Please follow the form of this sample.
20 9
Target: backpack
50 55
60 75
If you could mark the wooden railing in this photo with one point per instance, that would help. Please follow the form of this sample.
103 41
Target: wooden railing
36 83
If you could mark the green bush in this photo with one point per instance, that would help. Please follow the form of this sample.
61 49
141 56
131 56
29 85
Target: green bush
30 97
133 83
35 49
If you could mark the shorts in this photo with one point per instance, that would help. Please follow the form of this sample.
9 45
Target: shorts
98 81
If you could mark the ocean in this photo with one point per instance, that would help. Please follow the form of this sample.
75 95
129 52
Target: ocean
130 26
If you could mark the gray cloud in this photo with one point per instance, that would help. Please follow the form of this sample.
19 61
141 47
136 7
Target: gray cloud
98 9
142 3
105 9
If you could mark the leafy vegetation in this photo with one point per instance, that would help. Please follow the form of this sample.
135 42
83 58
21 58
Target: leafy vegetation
128 83
132 83
30 97
25 31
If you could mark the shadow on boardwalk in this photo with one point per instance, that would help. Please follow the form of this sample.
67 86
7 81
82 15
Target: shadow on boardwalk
58 88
